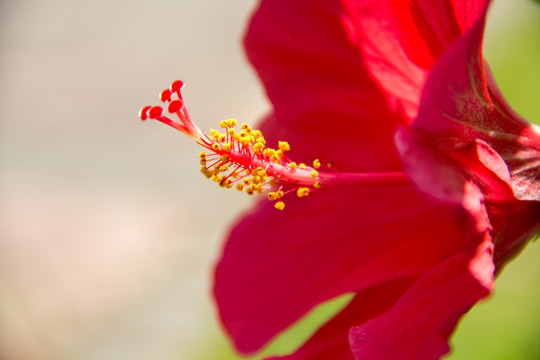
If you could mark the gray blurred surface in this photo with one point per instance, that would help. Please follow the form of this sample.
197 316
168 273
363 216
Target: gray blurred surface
108 232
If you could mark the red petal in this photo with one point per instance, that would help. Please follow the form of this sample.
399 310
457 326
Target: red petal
308 56
425 28
515 224
460 106
401 39
467 177
331 340
472 175
317 60
462 110
278 265
399 77
419 325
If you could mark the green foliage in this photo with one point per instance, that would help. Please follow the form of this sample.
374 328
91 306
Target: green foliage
505 326
513 52
295 336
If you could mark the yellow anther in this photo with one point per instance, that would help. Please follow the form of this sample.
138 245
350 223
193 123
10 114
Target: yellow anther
316 163
302 192
257 135
301 165
317 184
227 146
292 165
225 158
268 152
314 174
239 187
284 146
227 183
246 127
223 124
258 148
250 190
280 205
246 181
203 162
202 155
275 195
277 156
222 138
214 133
231 122
207 173
216 147
217 178
231 132
244 138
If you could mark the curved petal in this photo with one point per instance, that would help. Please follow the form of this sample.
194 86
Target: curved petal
419 324
331 340
308 55
514 224
460 104
468 176
476 177
425 28
385 58
401 40
278 265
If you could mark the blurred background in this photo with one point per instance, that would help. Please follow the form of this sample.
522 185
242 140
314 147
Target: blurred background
108 232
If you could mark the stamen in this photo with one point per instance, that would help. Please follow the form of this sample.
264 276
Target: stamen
242 158
302 192
280 205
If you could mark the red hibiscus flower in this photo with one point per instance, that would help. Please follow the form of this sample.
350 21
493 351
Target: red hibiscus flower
380 87
432 183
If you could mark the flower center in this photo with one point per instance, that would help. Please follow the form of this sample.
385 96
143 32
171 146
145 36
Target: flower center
243 161
238 159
